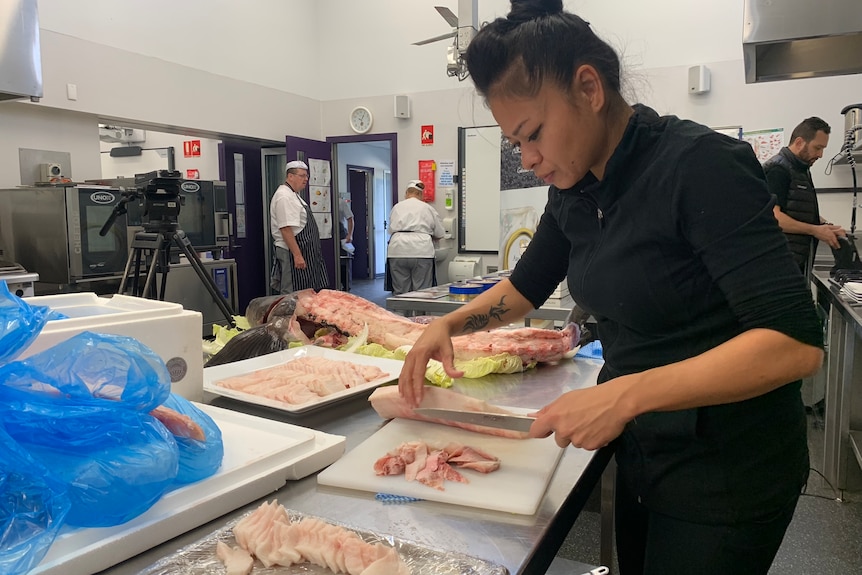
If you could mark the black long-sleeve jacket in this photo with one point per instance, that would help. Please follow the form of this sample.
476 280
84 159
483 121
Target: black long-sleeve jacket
674 252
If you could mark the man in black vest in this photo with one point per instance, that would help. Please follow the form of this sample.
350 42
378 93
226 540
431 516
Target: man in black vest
789 178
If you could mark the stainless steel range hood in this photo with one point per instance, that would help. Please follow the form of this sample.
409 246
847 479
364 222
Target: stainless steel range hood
788 39
20 54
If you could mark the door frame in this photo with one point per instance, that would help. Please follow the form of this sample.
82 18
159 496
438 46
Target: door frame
390 137
278 150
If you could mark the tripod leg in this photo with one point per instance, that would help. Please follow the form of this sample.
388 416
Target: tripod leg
149 285
122 288
183 243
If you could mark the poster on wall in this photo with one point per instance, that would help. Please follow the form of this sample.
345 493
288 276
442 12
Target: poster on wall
318 199
513 175
426 174
324 225
319 173
522 200
766 143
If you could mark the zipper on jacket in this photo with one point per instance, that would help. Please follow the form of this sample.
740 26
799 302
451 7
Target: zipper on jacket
600 217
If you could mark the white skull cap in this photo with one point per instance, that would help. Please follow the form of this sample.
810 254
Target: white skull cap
296 164
416 184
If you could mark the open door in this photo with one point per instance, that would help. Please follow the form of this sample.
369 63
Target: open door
239 167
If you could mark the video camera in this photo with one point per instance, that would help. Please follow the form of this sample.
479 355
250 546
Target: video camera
162 199
160 190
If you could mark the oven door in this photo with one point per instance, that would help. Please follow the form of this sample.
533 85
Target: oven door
91 254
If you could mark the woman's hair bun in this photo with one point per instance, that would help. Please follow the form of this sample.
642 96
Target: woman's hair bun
526 10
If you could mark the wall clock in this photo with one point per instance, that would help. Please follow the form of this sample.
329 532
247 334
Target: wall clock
360 119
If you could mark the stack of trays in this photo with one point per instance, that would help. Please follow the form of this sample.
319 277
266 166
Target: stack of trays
853 291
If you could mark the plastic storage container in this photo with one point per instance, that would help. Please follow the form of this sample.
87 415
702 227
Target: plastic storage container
465 291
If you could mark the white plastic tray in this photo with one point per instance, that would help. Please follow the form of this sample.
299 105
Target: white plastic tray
260 456
212 375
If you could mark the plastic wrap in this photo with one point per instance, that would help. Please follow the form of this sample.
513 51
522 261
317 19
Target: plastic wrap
198 458
94 367
20 323
32 508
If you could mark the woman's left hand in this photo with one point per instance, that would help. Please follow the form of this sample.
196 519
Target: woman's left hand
588 418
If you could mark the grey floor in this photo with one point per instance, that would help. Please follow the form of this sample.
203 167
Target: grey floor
825 537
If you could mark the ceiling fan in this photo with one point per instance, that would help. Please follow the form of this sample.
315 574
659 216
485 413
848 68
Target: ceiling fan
464 27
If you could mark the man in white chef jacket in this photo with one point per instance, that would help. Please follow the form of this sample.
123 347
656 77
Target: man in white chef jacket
413 225
299 260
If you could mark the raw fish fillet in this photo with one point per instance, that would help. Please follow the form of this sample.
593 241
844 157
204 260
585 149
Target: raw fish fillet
268 534
237 560
389 404
178 424
350 314
433 466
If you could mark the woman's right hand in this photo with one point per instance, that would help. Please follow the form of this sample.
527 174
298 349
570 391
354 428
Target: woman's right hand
434 343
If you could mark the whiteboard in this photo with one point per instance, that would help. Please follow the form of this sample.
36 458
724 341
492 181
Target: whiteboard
479 189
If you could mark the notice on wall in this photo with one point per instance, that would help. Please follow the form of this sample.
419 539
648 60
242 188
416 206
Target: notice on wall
766 143
238 179
426 175
446 173
318 199
319 173
324 225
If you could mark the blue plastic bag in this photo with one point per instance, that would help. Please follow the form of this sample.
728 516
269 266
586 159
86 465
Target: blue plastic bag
199 458
20 323
32 508
115 463
95 367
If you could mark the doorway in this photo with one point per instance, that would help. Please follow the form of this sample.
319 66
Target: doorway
377 155
360 195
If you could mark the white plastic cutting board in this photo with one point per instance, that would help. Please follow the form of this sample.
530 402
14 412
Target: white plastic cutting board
517 487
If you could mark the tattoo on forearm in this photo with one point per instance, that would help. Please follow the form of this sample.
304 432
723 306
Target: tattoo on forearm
480 321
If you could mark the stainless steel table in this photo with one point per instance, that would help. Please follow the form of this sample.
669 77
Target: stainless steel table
843 414
523 544
553 309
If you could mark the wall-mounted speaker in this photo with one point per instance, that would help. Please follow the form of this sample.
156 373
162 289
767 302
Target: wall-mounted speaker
402 107
698 80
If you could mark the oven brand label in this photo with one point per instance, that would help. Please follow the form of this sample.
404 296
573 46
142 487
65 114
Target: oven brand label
102 198
76 233
190 187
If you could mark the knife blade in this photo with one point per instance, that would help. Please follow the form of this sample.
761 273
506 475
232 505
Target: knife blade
498 420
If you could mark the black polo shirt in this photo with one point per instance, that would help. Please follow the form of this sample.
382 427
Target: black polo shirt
674 252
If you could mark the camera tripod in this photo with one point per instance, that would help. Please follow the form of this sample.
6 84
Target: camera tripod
154 245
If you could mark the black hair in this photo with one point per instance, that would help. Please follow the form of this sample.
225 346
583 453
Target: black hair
538 41
808 129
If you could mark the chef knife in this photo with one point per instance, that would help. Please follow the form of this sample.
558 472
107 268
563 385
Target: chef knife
499 420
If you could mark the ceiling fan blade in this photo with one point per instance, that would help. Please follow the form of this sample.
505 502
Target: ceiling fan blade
447 15
434 39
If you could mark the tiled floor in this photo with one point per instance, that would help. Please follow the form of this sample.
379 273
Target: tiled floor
825 537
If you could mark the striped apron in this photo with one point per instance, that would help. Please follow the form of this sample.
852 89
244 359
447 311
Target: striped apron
314 275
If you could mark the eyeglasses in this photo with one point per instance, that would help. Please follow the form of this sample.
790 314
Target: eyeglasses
301 176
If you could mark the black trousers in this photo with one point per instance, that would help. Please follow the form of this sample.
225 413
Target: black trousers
650 543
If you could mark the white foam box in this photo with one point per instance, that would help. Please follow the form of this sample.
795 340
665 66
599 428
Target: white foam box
172 332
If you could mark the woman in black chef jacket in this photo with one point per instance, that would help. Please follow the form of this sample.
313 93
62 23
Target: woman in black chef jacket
665 233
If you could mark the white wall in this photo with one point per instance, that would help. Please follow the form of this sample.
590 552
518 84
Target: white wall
265 42
206 163
25 125
266 68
